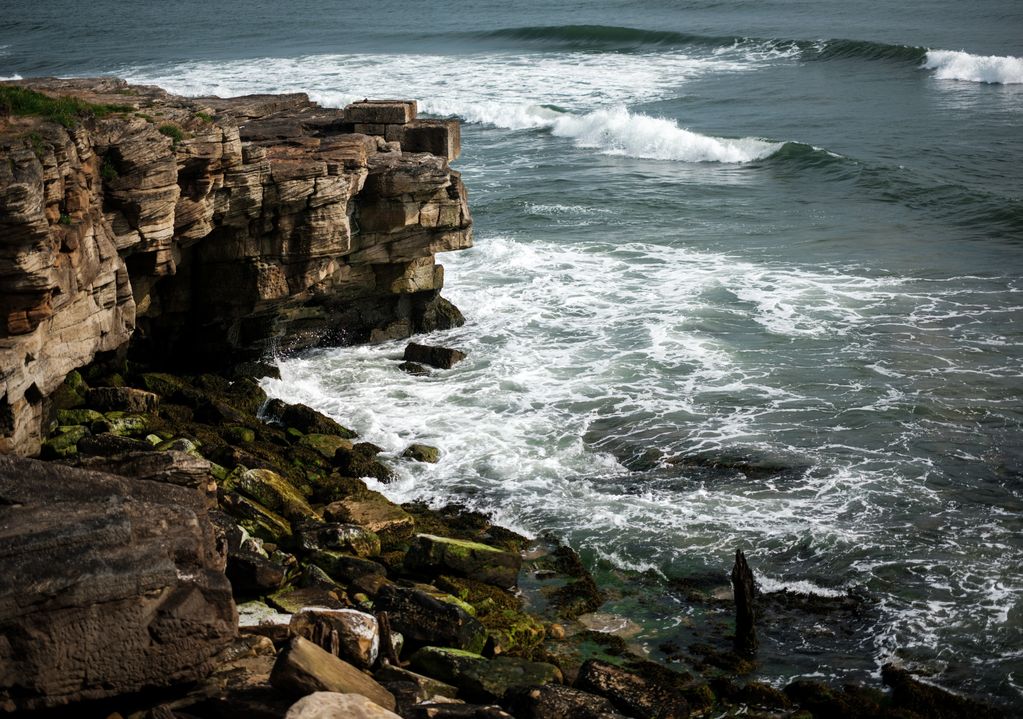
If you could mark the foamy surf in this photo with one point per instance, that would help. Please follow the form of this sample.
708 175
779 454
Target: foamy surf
989 69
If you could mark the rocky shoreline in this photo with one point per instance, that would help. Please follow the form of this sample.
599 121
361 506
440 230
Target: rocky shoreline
193 548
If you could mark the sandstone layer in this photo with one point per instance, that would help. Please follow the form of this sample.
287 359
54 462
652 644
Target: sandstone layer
210 231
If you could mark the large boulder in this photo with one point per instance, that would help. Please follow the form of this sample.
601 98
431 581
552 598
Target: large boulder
272 491
441 357
347 633
110 585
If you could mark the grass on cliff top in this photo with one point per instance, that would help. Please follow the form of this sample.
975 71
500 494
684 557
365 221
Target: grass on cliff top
68 111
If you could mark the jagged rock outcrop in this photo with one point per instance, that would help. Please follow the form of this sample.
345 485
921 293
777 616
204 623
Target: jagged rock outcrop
210 231
110 585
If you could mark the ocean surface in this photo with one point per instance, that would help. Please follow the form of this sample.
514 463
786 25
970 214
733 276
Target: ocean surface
747 275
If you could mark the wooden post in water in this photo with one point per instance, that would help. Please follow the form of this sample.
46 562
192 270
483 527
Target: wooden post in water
745 612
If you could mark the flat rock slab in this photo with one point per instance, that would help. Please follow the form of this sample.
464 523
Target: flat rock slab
304 668
381 111
110 585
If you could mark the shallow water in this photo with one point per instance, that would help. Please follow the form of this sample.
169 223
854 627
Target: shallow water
737 283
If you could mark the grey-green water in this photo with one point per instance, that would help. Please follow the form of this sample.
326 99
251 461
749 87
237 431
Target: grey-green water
708 235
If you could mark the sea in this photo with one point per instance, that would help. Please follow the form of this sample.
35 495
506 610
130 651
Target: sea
748 274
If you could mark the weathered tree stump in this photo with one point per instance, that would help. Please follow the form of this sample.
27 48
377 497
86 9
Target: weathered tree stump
745 612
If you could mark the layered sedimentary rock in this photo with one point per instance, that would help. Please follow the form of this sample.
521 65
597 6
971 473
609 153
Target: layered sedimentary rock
110 585
211 231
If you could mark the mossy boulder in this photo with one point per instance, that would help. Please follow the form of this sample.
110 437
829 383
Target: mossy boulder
238 435
64 443
429 553
326 444
512 631
70 393
121 424
256 519
481 678
272 491
125 399
422 453
342 566
166 385
69 417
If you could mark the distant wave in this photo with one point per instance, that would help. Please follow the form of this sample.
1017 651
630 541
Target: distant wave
991 69
606 37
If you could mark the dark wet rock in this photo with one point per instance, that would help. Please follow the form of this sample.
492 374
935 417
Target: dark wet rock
424 619
578 594
932 702
422 453
305 419
303 668
480 678
125 399
751 693
430 554
93 560
730 661
558 702
106 444
253 574
440 357
360 461
414 368
256 370
630 693
445 710
458 522
510 629
744 590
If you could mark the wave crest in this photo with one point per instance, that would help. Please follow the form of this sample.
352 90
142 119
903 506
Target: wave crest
990 69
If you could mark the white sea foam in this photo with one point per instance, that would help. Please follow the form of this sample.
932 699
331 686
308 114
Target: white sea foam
10 77
991 69
554 92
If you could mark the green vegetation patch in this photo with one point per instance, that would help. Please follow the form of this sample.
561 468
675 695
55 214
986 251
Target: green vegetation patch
175 133
68 111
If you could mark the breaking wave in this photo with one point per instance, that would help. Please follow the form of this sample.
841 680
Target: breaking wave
989 69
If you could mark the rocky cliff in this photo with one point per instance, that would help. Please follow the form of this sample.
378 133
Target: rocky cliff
210 231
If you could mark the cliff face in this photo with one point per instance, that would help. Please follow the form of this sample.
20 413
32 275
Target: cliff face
212 231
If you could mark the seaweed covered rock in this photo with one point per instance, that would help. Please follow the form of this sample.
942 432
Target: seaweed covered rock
272 491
